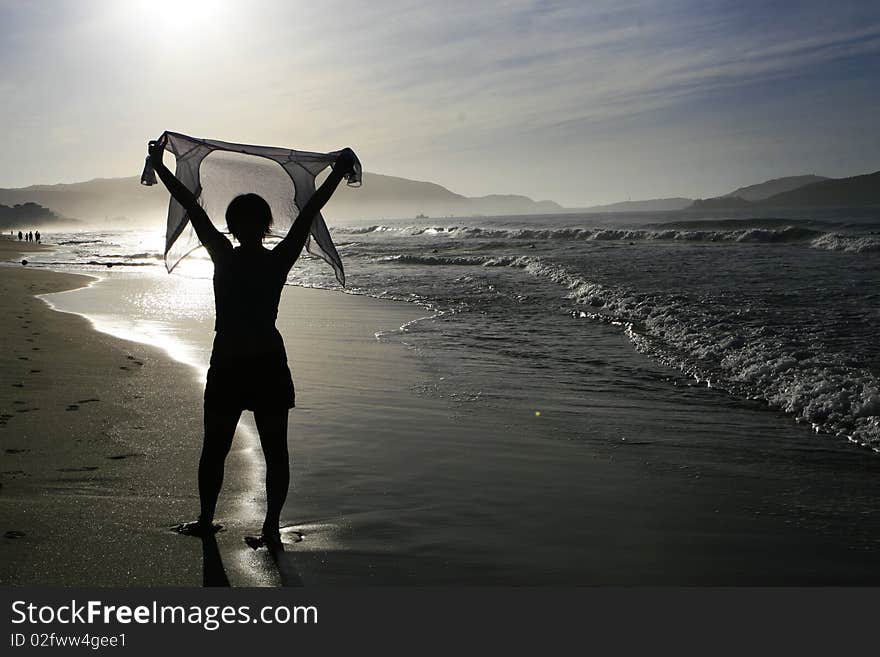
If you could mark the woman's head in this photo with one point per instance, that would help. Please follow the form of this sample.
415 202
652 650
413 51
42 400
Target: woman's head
248 218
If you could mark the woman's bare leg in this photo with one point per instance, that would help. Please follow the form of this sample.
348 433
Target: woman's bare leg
219 432
272 426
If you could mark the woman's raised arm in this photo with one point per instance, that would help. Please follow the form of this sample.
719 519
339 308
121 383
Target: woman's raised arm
205 230
292 244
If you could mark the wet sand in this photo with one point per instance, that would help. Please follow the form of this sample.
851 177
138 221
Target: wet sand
93 472
101 435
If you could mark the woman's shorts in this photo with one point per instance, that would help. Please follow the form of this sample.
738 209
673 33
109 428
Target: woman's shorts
256 383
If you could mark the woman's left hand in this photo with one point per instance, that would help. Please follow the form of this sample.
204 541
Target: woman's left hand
156 150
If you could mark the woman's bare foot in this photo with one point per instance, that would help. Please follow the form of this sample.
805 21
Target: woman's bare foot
197 528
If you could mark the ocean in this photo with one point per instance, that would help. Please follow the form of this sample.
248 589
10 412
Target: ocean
782 311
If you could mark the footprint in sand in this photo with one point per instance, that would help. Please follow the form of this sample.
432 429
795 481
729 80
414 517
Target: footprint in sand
18 385
14 473
89 400
13 450
119 457
85 468
23 358
72 407
123 367
134 360
36 371
288 536
14 533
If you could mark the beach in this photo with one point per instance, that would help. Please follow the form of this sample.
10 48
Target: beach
93 474
101 438
657 480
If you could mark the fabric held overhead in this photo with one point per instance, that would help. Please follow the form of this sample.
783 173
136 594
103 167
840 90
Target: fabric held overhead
218 171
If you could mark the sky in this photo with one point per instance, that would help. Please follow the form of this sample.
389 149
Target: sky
579 102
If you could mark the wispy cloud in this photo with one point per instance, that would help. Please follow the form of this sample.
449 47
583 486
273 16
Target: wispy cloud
499 96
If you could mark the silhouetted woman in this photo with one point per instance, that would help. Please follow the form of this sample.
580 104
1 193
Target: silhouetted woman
248 363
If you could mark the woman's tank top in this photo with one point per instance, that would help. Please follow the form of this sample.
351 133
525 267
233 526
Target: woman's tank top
247 289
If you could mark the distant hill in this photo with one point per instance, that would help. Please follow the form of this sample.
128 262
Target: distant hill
26 216
855 191
720 203
735 199
501 204
384 196
124 201
97 201
648 205
769 188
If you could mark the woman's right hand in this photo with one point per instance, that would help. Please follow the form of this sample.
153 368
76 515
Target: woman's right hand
345 162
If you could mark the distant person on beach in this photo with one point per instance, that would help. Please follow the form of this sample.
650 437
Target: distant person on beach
37 237
248 368
20 236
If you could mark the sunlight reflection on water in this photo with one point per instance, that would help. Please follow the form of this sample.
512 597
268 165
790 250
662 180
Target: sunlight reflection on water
148 313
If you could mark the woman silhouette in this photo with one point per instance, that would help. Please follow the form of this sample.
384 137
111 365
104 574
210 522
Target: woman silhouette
248 368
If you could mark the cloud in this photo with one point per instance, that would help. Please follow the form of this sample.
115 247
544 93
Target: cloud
453 91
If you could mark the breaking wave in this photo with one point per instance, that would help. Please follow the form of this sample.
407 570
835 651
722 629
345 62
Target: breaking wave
781 234
848 243
715 345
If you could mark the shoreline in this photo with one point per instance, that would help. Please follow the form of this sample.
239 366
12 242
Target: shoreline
87 478
393 484
124 391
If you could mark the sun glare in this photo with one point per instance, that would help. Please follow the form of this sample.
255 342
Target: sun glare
180 10
170 17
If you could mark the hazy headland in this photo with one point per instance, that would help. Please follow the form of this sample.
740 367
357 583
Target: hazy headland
121 203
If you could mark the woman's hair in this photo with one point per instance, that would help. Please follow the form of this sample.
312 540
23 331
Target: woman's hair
248 215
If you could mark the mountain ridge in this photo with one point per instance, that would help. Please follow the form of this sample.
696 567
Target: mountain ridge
124 202
381 197
853 191
646 205
768 188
